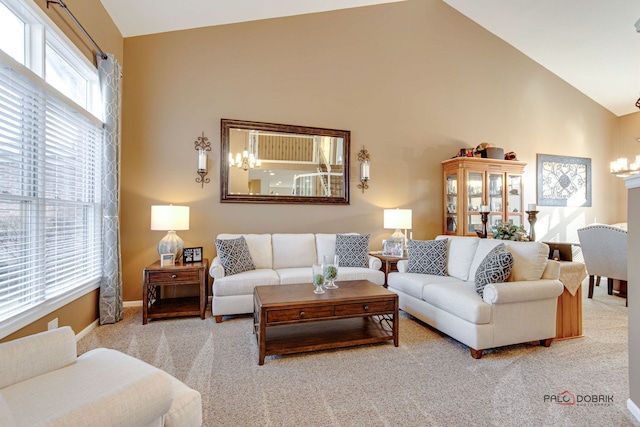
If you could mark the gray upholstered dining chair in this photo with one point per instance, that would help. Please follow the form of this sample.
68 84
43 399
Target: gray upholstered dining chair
604 248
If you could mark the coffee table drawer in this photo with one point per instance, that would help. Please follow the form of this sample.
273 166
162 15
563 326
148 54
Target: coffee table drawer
288 314
364 308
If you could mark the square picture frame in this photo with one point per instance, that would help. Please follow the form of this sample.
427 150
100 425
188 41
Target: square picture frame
191 255
167 260
392 248
563 181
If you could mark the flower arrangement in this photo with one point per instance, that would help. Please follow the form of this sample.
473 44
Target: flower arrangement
510 231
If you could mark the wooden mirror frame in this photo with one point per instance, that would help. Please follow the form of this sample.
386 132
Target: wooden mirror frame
225 137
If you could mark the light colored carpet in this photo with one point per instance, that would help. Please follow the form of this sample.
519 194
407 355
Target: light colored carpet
430 380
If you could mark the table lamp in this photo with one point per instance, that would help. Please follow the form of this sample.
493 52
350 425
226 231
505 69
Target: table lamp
397 219
170 218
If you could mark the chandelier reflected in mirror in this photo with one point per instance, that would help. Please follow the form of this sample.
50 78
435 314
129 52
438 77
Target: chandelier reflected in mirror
246 160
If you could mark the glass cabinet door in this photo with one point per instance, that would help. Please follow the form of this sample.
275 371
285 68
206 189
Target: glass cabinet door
496 196
514 199
452 203
474 191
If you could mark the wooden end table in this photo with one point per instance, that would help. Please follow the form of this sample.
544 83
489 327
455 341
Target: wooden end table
292 319
389 263
154 278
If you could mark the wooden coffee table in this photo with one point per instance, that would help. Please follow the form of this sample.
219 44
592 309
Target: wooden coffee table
292 319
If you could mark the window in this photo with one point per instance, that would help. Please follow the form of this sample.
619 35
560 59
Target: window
12 30
50 176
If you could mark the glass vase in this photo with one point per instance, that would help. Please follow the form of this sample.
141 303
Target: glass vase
330 271
318 278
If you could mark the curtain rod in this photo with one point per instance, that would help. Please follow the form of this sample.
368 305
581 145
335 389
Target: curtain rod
66 9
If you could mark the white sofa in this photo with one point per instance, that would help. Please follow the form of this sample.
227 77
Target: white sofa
42 382
523 309
280 259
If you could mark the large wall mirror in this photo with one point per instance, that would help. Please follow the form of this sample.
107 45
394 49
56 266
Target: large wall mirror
273 163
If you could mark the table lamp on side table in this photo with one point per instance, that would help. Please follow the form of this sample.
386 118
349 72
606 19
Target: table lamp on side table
398 219
170 218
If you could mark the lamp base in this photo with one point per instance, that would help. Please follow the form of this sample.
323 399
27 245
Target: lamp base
171 244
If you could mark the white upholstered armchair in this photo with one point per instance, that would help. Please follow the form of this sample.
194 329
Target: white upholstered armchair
604 248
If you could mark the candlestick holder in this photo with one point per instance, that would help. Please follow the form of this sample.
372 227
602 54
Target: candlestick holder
485 218
532 221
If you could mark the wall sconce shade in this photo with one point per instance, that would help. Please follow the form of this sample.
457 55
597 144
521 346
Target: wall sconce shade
202 145
365 173
170 218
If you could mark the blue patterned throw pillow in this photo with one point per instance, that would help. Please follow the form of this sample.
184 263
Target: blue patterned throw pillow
494 268
234 255
428 257
353 250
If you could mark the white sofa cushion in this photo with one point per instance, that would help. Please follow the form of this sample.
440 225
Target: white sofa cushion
104 388
460 299
259 247
325 246
464 249
412 283
290 276
243 283
24 358
293 250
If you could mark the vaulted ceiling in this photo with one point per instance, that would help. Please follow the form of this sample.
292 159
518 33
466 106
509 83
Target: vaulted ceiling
591 44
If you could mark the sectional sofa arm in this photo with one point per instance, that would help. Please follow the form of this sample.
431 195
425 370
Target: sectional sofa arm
36 355
216 271
374 263
402 265
510 292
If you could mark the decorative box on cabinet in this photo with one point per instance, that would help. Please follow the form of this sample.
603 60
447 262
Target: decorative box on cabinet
471 182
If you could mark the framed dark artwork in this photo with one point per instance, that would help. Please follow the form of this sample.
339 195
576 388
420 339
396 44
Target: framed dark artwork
192 255
564 181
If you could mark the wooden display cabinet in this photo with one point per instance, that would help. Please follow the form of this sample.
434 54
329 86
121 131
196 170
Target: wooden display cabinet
470 182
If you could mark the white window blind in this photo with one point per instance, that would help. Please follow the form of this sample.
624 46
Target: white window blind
50 207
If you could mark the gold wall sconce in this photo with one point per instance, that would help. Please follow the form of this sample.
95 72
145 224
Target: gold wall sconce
365 163
202 145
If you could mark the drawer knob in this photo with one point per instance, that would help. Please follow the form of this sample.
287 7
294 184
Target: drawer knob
173 276
366 308
302 314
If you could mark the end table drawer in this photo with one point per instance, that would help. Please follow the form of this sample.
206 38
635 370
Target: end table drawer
174 276
285 315
365 307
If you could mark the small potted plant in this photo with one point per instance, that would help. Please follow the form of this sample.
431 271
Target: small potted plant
510 231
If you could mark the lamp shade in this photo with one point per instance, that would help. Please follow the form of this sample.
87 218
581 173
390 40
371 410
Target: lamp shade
397 218
169 217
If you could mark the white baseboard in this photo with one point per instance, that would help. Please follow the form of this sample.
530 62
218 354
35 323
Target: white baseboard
88 329
132 303
633 408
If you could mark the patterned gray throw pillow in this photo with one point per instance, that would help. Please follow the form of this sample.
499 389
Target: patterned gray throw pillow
428 257
353 250
234 255
494 268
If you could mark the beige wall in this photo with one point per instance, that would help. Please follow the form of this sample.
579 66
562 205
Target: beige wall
413 81
627 144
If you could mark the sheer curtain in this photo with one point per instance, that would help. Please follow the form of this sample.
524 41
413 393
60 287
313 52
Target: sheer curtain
111 308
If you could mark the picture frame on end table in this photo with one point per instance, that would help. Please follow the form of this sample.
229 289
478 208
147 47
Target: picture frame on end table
392 248
166 260
190 255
